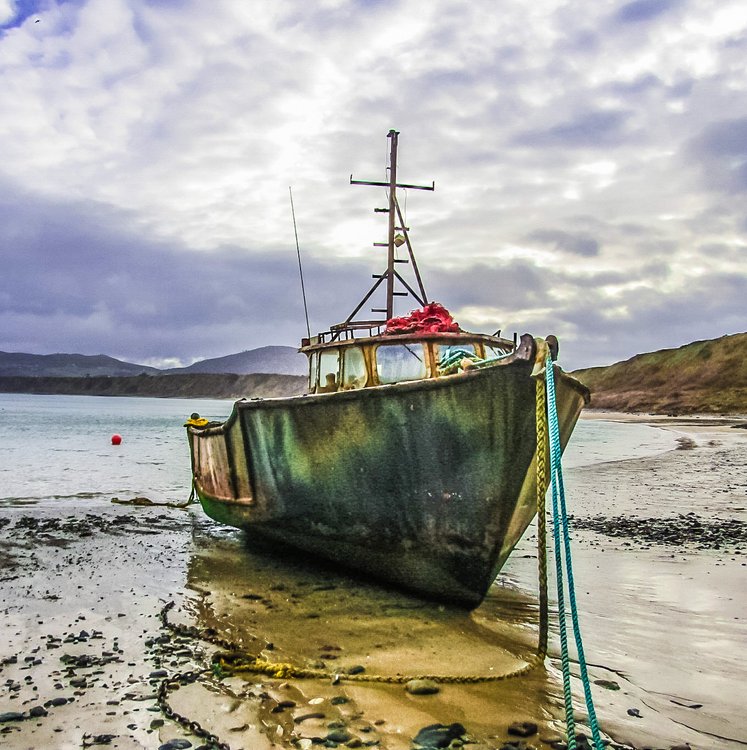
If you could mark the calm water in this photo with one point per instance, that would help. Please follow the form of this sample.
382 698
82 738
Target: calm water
59 447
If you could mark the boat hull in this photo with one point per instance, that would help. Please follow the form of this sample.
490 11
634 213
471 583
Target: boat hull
428 485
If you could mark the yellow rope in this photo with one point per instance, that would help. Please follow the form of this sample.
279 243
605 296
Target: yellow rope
541 475
240 662
284 670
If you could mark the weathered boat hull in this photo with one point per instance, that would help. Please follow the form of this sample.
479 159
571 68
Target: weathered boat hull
428 484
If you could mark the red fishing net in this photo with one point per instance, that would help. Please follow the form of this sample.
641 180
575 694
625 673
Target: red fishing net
433 318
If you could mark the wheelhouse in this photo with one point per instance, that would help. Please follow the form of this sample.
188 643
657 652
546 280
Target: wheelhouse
343 365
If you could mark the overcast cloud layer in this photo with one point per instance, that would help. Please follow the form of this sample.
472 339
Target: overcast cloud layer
590 160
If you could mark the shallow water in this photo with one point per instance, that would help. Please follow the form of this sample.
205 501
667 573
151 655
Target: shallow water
59 447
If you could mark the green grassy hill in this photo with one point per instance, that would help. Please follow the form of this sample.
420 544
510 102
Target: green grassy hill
705 377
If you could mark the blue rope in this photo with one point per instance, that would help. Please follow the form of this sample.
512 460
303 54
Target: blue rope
560 519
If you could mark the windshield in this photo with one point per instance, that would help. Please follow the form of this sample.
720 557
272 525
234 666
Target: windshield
398 362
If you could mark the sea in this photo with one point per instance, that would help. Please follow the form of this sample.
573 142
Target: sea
59 448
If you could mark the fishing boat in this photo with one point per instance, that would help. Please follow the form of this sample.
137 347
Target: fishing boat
412 458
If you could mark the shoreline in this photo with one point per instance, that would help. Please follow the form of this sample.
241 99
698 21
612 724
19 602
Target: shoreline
656 420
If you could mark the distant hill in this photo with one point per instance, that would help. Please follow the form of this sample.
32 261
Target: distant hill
273 360
705 377
194 385
280 360
16 364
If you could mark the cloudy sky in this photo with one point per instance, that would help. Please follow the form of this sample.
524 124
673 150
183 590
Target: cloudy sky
590 160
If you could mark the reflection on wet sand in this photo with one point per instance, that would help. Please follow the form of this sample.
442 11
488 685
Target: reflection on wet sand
296 611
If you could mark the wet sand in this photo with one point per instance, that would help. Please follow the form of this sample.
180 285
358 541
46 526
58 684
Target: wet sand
85 652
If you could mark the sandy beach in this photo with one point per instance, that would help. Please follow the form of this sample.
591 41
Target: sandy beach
661 594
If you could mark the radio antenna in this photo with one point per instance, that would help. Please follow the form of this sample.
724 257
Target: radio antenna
300 267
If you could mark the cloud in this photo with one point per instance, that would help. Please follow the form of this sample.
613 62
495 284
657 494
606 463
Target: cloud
7 12
640 11
587 129
580 158
578 244
77 278
721 150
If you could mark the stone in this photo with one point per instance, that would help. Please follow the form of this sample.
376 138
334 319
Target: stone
175 745
11 716
421 687
523 729
607 684
339 736
312 715
439 735
634 712
37 712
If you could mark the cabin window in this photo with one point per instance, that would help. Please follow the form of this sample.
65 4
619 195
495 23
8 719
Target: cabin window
329 367
354 369
451 355
313 363
397 362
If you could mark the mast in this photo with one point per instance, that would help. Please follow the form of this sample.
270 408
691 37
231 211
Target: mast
393 136
396 224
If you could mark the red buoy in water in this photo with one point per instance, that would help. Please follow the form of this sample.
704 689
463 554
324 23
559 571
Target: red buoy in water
116 439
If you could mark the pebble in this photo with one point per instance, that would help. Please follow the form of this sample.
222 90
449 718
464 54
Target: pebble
99 739
339 735
175 745
439 735
11 716
684 528
607 684
523 729
422 687
304 717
